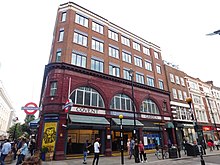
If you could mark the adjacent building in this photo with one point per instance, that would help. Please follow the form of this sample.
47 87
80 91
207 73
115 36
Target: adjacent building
6 111
181 111
105 71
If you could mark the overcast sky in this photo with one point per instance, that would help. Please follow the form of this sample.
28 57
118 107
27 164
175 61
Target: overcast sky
178 27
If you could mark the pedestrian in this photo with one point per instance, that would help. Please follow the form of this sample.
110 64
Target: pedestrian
23 152
128 147
69 146
32 146
96 151
85 151
141 152
136 152
14 149
210 144
131 148
6 149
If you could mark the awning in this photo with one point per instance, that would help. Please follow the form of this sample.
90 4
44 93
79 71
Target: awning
169 125
88 119
127 122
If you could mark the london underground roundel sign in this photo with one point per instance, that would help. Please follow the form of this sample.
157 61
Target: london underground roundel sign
30 108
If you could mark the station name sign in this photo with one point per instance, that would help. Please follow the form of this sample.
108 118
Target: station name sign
87 110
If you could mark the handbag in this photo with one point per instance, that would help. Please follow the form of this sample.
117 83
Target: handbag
18 152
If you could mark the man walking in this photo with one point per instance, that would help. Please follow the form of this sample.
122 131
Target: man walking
6 148
96 151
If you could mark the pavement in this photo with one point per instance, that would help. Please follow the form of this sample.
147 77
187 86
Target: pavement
116 160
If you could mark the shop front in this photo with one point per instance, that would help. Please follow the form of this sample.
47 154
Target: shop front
128 128
84 127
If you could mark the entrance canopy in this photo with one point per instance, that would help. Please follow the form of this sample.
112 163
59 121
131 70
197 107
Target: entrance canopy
169 125
88 119
127 122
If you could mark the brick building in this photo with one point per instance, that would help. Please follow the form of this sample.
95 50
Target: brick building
96 64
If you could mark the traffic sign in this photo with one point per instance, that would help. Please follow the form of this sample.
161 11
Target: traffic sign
30 108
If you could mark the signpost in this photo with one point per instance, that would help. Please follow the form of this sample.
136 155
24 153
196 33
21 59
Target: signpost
30 108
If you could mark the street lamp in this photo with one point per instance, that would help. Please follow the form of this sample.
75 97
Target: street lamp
189 101
131 73
15 121
121 135
213 118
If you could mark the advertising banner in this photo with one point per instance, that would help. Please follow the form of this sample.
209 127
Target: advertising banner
49 136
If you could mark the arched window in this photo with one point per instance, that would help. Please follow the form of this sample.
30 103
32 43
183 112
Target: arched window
121 102
87 96
148 106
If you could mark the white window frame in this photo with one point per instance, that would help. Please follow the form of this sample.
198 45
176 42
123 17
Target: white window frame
112 35
136 46
174 93
126 57
138 61
125 41
79 19
97 27
80 39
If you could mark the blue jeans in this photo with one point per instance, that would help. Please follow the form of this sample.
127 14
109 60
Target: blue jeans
20 159
84 156
3 156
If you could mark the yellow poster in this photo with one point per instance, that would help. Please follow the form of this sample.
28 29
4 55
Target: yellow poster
49 136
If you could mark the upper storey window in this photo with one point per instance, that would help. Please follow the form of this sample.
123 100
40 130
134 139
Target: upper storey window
78 59
172 78
138 61
125 41
146 50
58 55
87 96
113 52
114 70
148 65
97 65
158 68
156 55
61 35
80 39
63 17
148 106
182 81
136 46
97 45
139 78
82 20
97 27
121 102
53 88
126 57
177 79
113 35
193 85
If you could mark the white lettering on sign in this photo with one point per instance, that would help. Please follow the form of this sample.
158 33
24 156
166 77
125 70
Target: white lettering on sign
87 110
166 118
151 117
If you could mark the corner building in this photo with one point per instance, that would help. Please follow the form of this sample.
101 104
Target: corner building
90 63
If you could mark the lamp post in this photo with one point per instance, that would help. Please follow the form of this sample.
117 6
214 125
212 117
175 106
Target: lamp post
14 132
189 101
213 118
131 73
121 135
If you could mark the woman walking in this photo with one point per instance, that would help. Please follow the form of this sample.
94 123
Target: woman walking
23 152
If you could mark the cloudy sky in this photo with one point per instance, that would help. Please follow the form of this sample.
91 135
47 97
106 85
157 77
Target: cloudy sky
178 27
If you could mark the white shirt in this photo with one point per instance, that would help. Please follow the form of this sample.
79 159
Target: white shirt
96 147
